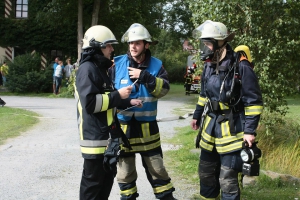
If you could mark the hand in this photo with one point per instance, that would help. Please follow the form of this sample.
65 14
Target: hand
137 102
125 92
250 139
194 124
133 72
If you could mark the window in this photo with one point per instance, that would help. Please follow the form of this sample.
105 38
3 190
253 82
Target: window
56 53
21 8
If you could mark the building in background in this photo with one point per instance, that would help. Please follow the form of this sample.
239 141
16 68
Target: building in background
18 9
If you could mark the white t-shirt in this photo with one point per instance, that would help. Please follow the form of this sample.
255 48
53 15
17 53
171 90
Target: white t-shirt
58 71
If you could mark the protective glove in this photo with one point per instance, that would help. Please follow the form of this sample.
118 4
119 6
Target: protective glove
111 156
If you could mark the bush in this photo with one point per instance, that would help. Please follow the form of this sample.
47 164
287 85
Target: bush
25 75
175 64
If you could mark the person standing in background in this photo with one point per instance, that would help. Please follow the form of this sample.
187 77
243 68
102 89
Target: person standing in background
1 81
58 76
54 68
4 72
68 71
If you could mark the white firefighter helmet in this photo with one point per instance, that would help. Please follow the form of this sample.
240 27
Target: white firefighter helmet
136 32
97 37
215 30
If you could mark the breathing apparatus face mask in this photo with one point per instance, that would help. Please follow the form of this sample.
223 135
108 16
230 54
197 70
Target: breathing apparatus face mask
208 48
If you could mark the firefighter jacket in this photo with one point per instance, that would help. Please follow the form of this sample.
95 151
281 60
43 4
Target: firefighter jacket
96 104
228 119
189 79
152 84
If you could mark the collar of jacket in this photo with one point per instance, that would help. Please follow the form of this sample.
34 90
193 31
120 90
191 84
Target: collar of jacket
229 56
101 61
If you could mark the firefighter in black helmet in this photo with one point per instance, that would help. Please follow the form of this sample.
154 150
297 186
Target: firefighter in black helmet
96 102
229 108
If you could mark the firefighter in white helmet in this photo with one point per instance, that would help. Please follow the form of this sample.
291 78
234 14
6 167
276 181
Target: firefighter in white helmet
227 112
96 102
151 82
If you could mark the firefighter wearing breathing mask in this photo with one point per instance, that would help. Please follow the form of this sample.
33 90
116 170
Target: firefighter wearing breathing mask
227 112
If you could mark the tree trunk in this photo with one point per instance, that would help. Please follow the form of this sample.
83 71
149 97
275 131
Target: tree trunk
95 12
79 30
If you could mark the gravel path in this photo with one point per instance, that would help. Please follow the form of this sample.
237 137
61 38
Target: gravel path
45 162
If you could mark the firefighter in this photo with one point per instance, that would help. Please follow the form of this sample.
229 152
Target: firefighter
96 102
150 82
229 109
188 82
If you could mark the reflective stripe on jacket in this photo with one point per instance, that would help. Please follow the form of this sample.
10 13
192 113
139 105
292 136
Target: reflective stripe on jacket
96 102
216 131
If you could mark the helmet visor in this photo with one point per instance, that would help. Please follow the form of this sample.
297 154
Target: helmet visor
111 41
197 32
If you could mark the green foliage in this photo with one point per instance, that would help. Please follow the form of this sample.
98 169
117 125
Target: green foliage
71 89
52 25
26 75
271 189
174 59
270 29
186 162
277 141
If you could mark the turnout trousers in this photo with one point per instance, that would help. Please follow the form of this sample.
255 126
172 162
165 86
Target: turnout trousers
155 171
95 183
220 172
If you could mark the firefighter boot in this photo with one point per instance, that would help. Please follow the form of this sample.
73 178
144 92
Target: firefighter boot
2 103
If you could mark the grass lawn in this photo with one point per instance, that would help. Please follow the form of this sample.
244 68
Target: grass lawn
14 121
294 107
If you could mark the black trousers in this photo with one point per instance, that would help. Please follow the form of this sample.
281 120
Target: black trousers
96 183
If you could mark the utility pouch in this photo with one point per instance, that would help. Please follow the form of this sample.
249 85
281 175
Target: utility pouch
228 116
114 147
111 155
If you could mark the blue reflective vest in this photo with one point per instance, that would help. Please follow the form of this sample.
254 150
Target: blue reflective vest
149 110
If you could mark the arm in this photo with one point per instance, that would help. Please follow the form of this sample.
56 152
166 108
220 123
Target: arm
158 85
91 97
200 104
252 101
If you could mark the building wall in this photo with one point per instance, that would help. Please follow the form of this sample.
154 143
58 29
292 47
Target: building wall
2 55
7 53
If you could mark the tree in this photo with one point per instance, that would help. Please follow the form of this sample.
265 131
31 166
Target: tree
60 24
271 30
95 14
79 29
